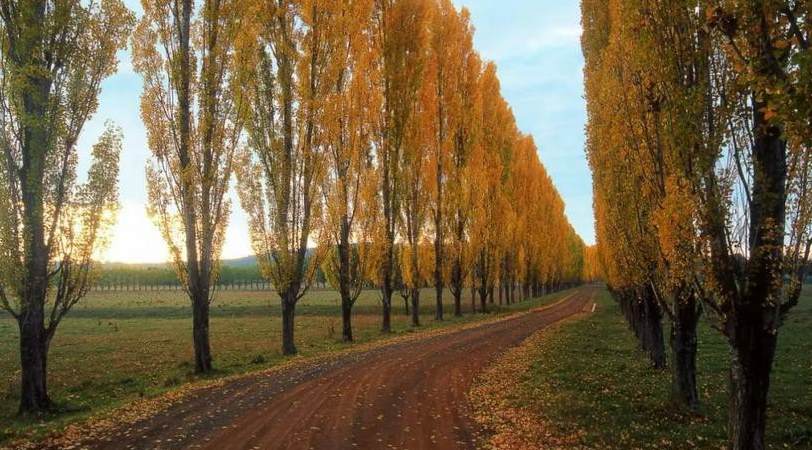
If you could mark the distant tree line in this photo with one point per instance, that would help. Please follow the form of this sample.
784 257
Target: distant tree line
125 277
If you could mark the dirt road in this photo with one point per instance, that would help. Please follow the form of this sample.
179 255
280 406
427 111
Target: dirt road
408 395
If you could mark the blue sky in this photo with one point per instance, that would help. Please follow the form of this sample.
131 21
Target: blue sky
537 50
535 44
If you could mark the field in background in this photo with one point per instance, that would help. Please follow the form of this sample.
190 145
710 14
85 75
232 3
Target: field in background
588 378
118 346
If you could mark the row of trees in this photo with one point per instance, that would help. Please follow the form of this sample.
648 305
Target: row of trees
369 130
374 134
699 142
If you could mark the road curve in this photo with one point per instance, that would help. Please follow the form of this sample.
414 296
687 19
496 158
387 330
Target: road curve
409 395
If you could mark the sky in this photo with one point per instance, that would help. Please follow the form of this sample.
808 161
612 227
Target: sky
535 45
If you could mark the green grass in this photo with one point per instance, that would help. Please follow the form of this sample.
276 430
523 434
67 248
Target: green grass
115 347
589 377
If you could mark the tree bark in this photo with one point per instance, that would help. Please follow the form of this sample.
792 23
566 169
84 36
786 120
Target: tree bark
200 332
346 320
438 264
344 277
457 287
288 314
457 295
483 298
389 258
438 312
499 288
386 309
652 332
752 358
415 295
438 216
33 361
683 352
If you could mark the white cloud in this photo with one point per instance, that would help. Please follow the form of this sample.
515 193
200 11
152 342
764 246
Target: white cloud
526 43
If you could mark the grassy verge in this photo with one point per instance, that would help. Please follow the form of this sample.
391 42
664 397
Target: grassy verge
122 346
586 384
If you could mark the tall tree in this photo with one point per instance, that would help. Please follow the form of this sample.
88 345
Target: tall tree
465 132
445 46
416 166
400 30
281 171
757 282
351 109
53 58
489 165
193 127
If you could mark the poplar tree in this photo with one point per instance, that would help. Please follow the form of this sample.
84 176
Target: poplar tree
53 59
282 168
443 74
488 171
465 132
351 112
767 47
186 58
400 30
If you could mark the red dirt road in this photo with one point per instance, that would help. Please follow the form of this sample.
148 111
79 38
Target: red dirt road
409 395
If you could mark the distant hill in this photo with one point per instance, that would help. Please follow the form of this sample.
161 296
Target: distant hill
245 261
240 262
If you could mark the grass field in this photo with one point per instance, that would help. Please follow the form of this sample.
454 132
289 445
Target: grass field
118 346
588 379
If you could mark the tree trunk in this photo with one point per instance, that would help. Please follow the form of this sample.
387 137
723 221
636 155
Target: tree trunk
499 287
346 320
415 295
438 312
288 314
457 287
33 361
751 363
386 310
200 333
683 353
483 298
344 278
438 216
653 330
